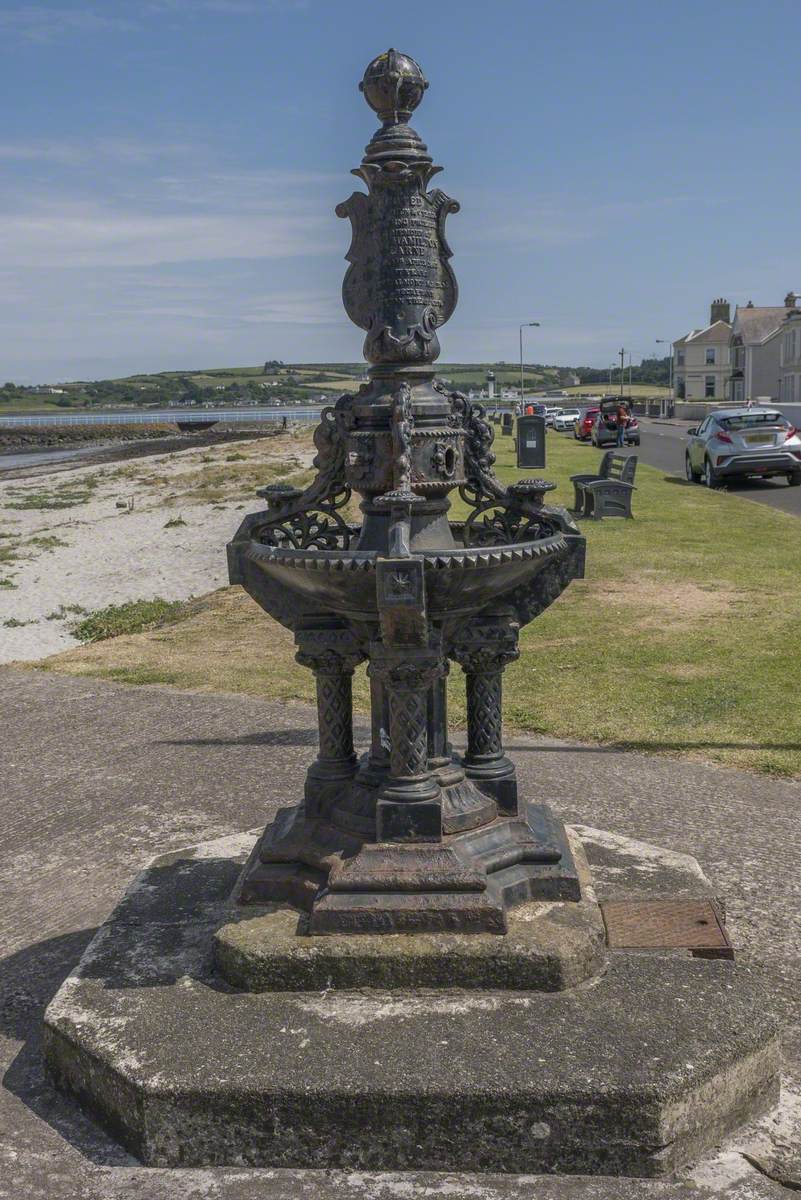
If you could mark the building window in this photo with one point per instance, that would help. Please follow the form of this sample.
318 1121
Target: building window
680 358
681 391
709 387
710 356
789 390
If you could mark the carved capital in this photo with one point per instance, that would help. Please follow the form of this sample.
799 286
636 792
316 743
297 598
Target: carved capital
328 651
407 674
486 648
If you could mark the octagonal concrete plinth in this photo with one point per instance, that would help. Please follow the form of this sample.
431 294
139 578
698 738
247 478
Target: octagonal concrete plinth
633 1073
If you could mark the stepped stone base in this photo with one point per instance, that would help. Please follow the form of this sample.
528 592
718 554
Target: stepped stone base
549 946
630 1074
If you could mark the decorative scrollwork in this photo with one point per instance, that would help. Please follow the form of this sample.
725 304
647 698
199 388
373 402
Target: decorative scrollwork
402 423
495 524
320 528
382 345
499 516
310 519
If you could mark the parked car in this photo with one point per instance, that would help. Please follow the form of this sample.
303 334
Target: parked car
736 442
566 419
551 412
604 427
582 427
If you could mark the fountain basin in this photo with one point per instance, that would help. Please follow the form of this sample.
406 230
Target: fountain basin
290 582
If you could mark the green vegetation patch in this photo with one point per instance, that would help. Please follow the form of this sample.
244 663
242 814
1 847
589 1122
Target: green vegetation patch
64 495
47 541
133 617
66 610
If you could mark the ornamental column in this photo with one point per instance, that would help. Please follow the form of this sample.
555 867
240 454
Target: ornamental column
483 651
332 655
409 807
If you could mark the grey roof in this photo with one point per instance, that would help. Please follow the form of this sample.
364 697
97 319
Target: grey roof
756 323
695 334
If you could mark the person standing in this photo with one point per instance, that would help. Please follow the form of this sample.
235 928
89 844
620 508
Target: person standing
622 422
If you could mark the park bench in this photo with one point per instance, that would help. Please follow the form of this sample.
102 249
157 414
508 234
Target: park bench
607 494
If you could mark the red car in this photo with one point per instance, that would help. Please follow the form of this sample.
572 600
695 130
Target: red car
582 428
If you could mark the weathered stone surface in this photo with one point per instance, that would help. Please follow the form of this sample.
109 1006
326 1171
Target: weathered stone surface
624 868
264 1184
549 947
632 1075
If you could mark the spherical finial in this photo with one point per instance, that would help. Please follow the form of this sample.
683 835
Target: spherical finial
393 86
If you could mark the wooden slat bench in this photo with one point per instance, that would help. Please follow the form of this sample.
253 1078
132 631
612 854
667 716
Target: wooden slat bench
607 494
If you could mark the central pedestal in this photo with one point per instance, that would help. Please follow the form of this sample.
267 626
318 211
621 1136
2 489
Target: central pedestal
630 1073
466 883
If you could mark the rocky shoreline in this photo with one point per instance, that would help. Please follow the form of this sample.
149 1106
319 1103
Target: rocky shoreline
24 437
103 447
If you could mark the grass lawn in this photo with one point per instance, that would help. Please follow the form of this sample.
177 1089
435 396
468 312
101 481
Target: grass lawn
681 639
27 405
636 390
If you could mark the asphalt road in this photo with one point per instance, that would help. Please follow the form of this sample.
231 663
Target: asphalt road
662 445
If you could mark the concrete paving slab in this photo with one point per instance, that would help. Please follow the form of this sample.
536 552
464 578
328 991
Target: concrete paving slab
96 778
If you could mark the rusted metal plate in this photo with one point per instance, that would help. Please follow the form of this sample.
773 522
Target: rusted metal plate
687 924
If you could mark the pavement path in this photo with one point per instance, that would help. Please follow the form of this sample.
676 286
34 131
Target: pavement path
96 778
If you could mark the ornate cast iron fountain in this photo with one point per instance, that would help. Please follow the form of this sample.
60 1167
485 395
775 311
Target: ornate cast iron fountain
409 837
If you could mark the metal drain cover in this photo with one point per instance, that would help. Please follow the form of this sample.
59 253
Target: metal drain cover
694 925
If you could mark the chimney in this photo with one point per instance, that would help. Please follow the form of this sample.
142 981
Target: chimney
720 311
790 299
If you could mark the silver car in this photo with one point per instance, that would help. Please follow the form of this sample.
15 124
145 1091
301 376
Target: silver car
736 442
566 419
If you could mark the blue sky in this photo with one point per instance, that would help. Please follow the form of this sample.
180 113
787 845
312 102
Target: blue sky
169 170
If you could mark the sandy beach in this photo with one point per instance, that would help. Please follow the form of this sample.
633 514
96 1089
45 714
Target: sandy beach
74 541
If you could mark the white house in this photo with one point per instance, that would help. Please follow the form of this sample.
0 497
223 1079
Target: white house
701 364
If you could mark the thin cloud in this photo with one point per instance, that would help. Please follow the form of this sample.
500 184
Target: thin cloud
96 237
559 222
233 8
76 154
43 23
172 219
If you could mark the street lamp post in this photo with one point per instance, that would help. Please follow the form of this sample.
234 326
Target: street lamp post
525 325
663 406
